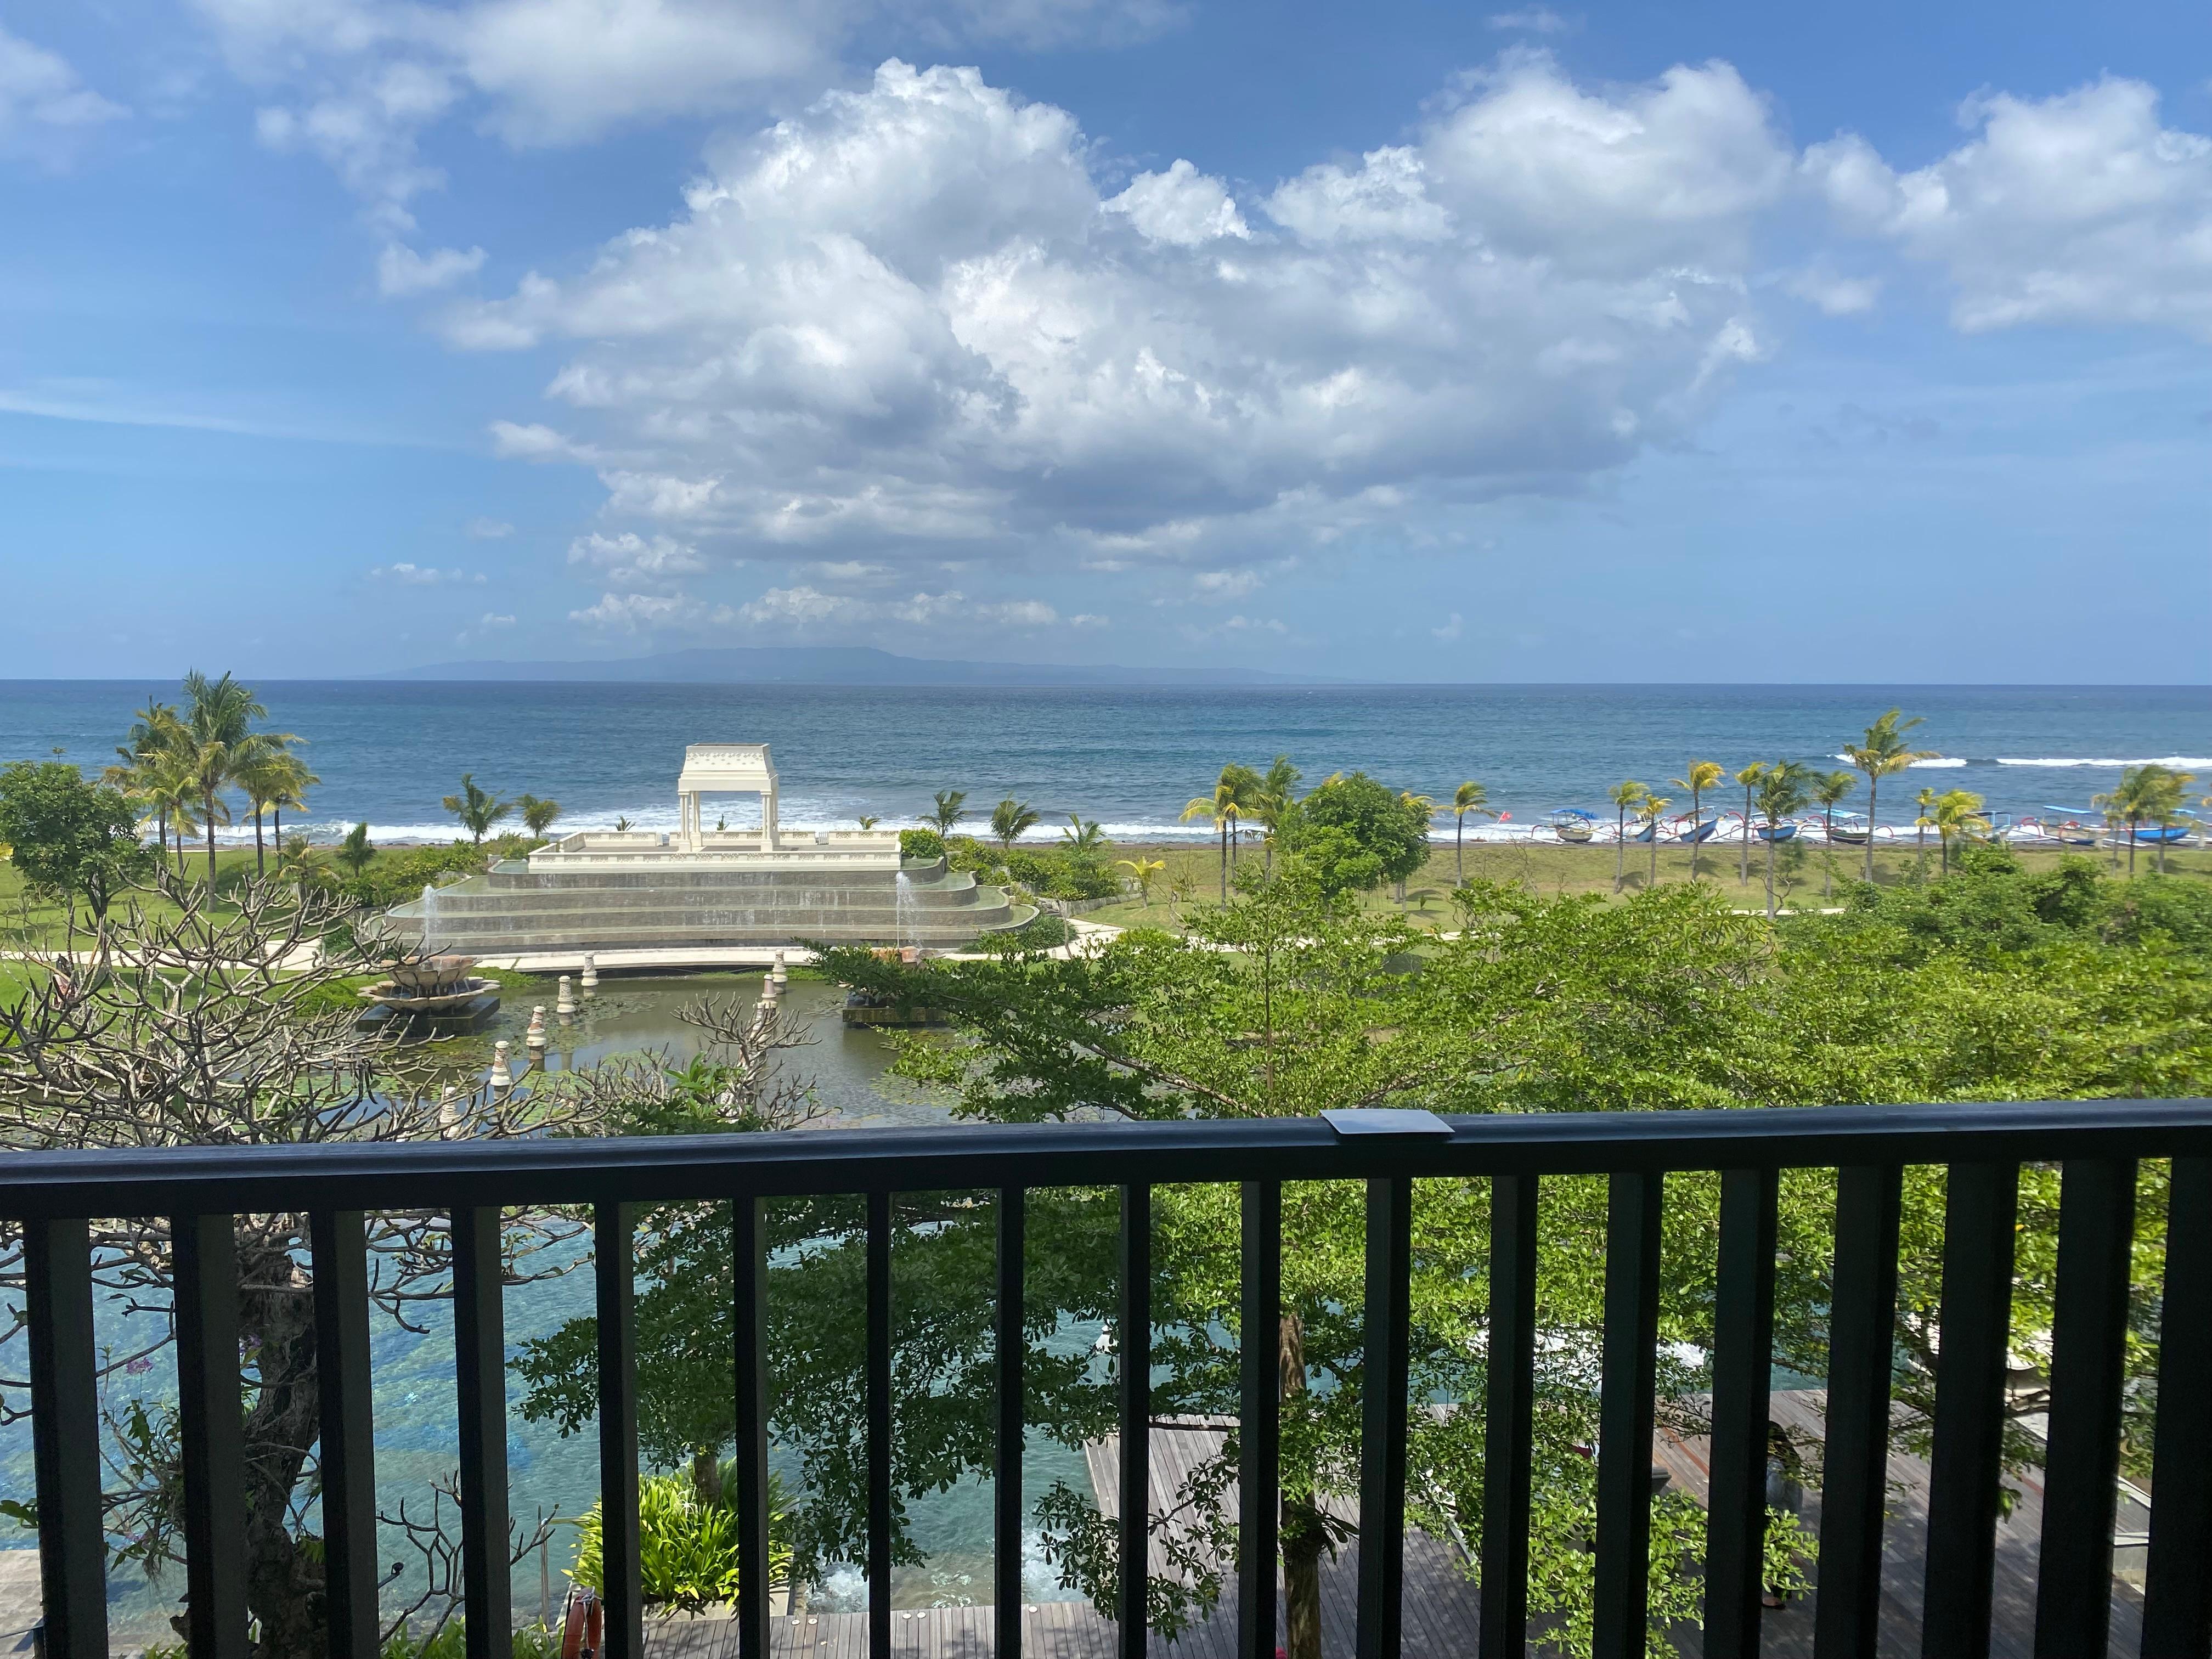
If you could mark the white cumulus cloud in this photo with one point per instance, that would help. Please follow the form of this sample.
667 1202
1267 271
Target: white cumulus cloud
2081 208
629 560
909 319
424 575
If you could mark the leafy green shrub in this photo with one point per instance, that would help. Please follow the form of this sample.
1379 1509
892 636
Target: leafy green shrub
1040 933
395 877
920 844
687 1545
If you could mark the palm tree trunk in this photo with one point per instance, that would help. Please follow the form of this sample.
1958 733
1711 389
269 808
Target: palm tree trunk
1224 860
1770 876
2131 850
1743 869
211 839
1696 823
1655 852
1828 860
1619 847
161 831
1873 784
1459 853
260 857
276 823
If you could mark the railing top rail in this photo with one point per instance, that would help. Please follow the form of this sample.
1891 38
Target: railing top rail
371 1175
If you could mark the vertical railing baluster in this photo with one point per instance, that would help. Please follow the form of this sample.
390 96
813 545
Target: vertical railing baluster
878 1390
1134 1340
339 1240
1855 1461
2177 1621
748 1318
1012 1345
1629 1374
614 1271
1743 1365
1259 1427
2089 1370
65 1438
1980 1206
1387 1340
1509 1426
213 1435
480 1380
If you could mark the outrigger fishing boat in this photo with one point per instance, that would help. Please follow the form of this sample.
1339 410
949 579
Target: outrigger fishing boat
1778 831
2071 830
1697 833
1854 830
1572 825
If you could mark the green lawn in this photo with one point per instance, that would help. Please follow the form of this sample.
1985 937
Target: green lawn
1799 873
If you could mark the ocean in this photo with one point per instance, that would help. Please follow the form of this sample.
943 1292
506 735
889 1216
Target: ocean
387 751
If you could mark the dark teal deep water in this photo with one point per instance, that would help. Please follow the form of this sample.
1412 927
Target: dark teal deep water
387 752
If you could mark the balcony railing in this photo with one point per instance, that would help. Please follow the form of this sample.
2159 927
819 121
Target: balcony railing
2098 1143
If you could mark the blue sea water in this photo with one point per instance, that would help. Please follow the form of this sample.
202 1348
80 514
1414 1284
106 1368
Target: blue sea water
387 752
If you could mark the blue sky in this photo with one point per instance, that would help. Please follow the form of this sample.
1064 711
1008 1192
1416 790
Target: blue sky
1401 341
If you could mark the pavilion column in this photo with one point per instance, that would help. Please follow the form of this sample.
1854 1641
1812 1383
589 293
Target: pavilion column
768 819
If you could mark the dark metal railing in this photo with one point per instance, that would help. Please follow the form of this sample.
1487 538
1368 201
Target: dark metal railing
2099 1144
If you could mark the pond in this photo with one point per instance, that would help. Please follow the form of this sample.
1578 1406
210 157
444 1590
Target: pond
417 1413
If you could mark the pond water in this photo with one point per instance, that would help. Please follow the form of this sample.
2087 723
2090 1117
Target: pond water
416 1407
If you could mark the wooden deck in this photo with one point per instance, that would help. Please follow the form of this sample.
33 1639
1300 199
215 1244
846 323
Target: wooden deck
1441 1603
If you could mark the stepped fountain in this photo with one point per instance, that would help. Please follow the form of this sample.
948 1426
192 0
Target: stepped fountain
425 987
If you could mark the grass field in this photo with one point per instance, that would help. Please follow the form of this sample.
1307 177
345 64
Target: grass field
1193 875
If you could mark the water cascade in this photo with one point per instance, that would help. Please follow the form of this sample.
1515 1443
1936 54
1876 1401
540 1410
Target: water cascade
908 930
430 920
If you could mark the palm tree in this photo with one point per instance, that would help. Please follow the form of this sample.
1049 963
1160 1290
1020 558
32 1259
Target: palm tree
355 851
1881 753
477 809
273 778
1469 797
1958 813
2149 793
868 820
622 824
537 815
1220 807
1829 789
1083 837
1748 778
951 807
1698 777
1925 800
1648 809
219 718
1142 871
1627 797
1010 819
169 782
155 734
1279 788
1782 791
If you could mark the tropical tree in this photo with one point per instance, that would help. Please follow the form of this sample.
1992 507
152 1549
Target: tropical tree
1627 796
1083 837
1278 788
1143 871
951 807
155 736
537 815
1829 789
1957 812
1469 797
1880 754
1011 820
1698 777
1648 809
2149 793
69 836
219 743
1783 789
868 820
356 850
1749 777
169 782
1221 808
1924 821
1427 807
1352 834
273 778
478 808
